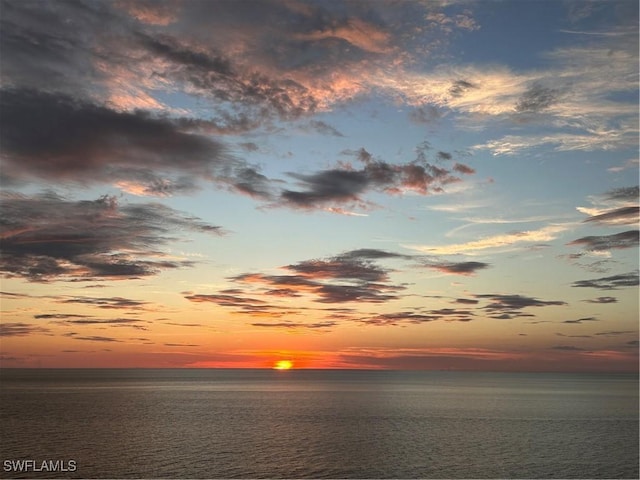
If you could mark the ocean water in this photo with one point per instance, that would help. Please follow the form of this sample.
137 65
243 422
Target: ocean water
316 424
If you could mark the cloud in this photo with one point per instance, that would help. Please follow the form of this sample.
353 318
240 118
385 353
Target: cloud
631 163
580 320
125 135
569 348
130 148
91 338
621 240
466 301
352 276
615 333
60 316
624 194
603 300
507 240
227 300
110 303
425 115
507 306
613 282
615 207
623 215
393 319
536 99
18 329
347 185
323 128
297 325
131 322
47 237
459 268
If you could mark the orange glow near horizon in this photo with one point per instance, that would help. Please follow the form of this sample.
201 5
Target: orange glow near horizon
283 365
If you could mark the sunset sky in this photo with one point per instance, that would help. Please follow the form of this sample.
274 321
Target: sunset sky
396 185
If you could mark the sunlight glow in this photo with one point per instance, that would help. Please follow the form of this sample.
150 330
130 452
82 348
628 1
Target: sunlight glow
283 365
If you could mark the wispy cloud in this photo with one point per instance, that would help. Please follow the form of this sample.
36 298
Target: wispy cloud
581 320
616 207
19 329
507 240
92 338
602 300
506 306
612 282
620 240
110 303
459 268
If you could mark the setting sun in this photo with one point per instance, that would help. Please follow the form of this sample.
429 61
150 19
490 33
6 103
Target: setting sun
283 365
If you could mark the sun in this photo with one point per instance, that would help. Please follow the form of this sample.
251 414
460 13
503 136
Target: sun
283 365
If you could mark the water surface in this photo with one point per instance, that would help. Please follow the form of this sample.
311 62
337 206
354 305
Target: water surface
142 423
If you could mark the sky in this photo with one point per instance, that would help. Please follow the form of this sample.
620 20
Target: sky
438 185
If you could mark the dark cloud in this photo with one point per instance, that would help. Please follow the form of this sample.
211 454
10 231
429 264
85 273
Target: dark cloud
249 181
568 348
47 237
459 87
92 338
180 345
603 300
510 306
464 169
296 325
574 336
18 329
245 305
217 77
610 283
15 295
324 128
133 322
52 45
249 146
459 268
347 185
57 137
398 318
620 240
624 194
327 187
580 320
61 316
353 276
340 268
623 215
115 303
368 292
226 300
536 99
467 301
427 115
615 333
454 312
89 68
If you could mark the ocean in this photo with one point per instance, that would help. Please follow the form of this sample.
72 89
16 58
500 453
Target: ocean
200 423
